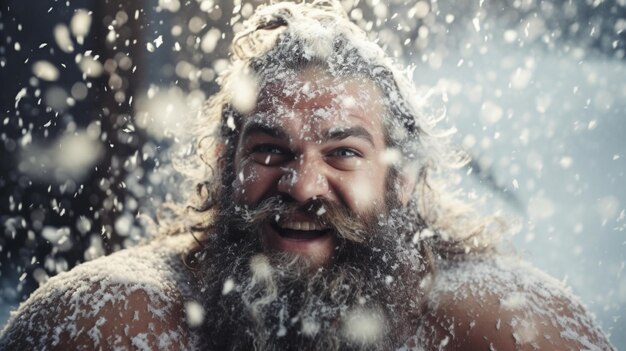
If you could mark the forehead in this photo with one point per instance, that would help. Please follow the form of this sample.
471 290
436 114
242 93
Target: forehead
320 97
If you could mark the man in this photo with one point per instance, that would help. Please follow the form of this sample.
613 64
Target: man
323 228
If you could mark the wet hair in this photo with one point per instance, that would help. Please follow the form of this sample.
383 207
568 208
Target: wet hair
286 38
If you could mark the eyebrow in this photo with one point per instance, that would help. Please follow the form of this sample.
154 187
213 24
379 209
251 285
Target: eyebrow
258 127
343 133
331 134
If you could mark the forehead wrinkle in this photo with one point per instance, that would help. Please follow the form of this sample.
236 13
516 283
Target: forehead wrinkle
314 96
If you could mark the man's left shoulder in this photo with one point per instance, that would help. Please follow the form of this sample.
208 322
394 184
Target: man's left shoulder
497 302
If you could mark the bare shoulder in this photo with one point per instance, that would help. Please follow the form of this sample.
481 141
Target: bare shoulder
503 303
129 300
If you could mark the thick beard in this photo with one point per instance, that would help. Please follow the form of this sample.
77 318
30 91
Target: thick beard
369 297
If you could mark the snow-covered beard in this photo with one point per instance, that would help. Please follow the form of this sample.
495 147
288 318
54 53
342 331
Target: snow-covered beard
369 297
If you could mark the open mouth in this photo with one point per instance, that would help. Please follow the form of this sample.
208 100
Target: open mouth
300 230
304 236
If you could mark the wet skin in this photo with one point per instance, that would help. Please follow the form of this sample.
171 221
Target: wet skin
312 136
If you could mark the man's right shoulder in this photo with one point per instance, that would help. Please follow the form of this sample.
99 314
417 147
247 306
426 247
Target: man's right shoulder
133 299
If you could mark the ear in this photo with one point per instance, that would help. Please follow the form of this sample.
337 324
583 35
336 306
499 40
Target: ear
218 153
407 180
219 150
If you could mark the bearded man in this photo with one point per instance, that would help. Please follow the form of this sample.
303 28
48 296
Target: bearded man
323 228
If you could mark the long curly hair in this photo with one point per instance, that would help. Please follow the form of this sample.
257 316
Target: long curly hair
285 38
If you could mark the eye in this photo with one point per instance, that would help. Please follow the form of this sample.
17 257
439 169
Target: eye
268 149
269 154
345 159
345 152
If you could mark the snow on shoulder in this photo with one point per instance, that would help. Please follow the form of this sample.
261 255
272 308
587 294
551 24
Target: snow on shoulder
497 302
132 299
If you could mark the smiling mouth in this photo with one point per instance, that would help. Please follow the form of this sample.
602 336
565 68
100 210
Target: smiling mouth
300 230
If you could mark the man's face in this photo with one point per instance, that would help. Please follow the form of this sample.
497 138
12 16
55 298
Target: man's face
312 137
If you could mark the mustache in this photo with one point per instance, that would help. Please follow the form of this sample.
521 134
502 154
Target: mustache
343 222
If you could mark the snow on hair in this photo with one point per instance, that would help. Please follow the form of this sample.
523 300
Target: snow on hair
289 37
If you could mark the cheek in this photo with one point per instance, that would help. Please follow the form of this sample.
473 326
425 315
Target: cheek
253 182
365 190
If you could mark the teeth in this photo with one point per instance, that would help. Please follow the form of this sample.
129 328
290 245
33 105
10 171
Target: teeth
301 225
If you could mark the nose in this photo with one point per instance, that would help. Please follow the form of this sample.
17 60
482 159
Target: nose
305 181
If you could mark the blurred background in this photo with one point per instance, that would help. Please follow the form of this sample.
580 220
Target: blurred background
94 94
